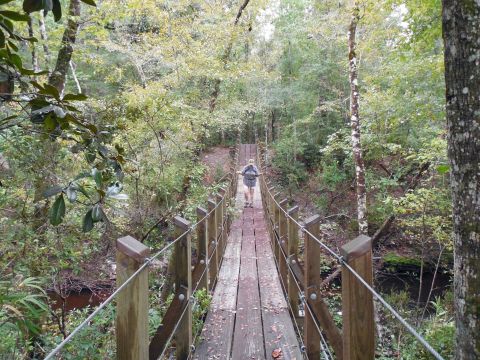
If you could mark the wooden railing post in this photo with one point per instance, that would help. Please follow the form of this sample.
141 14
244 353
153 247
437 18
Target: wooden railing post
282 246
183 286
312 280
274 214
212 238
357 301
219 213
132 301
292 252
223 227
202 247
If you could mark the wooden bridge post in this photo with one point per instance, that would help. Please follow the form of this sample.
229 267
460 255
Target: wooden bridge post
212 238
292 252
357 301
183 286
274 215
132 302
219 220
283 238
311 282
223 227
202 247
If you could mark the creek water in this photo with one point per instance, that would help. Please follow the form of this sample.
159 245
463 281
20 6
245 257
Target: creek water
79 300
388 282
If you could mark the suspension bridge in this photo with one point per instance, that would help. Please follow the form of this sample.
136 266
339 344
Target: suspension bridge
266 298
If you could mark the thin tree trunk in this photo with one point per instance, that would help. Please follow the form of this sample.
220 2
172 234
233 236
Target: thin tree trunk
432 285
225 58
355 124
34 52
59 73
74 75
461 34
44 37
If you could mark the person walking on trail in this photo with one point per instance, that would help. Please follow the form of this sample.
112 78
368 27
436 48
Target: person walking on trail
250 174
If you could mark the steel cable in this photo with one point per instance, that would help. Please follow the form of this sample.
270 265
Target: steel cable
305 303
127 282
340 259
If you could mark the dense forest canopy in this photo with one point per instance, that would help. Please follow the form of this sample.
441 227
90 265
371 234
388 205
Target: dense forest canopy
109 111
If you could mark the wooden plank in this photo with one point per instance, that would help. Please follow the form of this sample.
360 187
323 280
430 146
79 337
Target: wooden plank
217 332
248 340
278 328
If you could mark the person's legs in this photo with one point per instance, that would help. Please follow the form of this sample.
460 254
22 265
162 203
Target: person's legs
246 192
252 191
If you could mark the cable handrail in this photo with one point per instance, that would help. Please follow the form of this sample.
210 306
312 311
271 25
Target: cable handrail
301 292
147 262
342 261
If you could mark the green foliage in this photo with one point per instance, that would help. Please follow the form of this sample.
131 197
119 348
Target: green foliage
203 300
95 341
425 214
22 308
287 152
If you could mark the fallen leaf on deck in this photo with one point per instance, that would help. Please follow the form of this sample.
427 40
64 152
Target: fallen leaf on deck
276 353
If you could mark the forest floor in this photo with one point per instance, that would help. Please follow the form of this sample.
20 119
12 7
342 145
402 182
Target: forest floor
217 161
396 255
95 278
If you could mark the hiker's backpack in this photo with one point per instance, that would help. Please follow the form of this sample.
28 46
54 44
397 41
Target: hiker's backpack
250 174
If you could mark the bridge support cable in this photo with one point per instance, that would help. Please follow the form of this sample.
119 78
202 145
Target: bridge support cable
325 348
144 261
276 206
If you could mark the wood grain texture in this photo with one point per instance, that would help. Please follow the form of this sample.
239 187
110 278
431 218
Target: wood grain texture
248 317
132 305
357 302
311 336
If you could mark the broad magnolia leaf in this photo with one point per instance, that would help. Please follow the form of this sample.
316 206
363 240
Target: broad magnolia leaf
30 6
77 97
14 15
97 213
120 197
71 194
97 176
87 221
54 190
114 189
89 2
57 10
57 212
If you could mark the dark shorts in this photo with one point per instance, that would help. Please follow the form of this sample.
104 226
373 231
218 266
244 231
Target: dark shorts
249 183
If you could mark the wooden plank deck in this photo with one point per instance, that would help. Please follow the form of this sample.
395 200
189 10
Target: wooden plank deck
248 317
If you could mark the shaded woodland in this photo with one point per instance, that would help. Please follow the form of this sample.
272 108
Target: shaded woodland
117 115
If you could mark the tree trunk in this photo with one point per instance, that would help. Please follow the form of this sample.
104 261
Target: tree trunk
34 52
461 35
74 75
355 124
44 37
225 58
59 73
